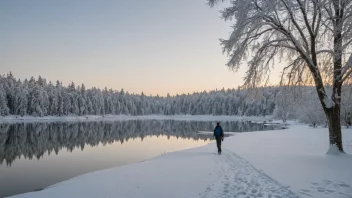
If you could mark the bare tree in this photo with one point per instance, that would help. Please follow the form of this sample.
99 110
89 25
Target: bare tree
312 36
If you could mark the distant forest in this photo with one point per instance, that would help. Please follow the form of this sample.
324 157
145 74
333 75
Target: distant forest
37 97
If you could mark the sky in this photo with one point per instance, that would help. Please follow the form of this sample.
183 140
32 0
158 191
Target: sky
154 46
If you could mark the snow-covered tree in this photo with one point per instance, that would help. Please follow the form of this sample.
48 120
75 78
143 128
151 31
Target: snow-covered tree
60 102
21 101
285 104
53 100
82 101
314 37
45 102
74 103
36 101
310 110
4 110
67 105
9 86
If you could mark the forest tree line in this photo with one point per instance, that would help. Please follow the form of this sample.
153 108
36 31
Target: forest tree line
37 97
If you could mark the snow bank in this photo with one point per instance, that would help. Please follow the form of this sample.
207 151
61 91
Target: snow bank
285 163
334 150
297 158
19 119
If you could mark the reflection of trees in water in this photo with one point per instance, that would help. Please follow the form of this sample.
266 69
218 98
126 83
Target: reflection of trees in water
34 140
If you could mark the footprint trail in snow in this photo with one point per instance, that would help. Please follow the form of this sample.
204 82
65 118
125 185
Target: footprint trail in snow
239 179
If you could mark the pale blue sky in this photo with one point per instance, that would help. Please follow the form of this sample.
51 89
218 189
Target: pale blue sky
155 46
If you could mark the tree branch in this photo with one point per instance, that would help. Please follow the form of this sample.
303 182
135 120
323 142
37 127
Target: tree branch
305 19
347 75
325 51
303 37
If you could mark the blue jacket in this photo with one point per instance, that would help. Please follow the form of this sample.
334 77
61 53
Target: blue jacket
221 131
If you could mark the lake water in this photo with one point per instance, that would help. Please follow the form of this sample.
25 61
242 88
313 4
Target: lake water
36 155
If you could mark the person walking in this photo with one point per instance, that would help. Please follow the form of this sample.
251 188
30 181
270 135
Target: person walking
219 136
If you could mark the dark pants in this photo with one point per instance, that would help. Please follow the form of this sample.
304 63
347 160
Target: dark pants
218 143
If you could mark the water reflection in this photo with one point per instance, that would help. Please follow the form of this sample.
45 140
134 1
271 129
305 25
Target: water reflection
33 140
68 149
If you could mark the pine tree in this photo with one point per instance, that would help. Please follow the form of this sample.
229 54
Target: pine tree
22 103
53 102
82 101
60 99
45 102
9 87
4 110
66 103
36 101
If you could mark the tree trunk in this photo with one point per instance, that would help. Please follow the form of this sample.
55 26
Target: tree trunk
333 113
335 136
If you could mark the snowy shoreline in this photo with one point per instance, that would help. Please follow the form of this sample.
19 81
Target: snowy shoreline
281 163
29 119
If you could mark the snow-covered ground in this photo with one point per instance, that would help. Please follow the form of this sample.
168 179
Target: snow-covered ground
279 164
18 119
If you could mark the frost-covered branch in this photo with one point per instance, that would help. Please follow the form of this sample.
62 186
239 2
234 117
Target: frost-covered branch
346 67
325 51
302 8
347 74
